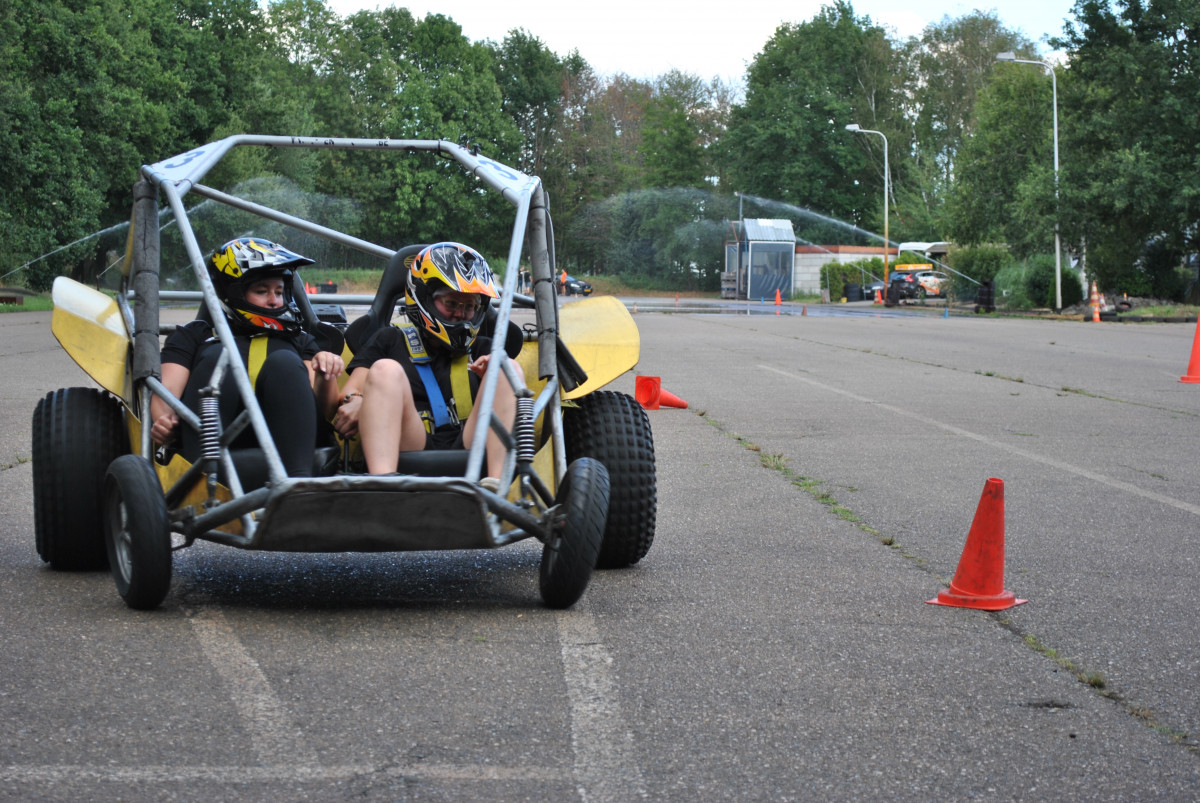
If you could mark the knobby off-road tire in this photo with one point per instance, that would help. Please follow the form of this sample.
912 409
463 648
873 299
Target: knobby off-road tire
77 433
614 429
570 556
136 532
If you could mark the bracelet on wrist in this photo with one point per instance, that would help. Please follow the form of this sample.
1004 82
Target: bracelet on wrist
346 399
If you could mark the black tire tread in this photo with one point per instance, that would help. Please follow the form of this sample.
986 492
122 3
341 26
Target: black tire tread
77 432
132 481
614 429
584 493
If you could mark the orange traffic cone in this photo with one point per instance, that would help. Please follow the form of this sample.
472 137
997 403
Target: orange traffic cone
1095 304
803 310
878 297
979 580
649 393
1193 370
778 300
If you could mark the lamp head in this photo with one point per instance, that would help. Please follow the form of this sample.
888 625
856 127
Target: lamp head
854 127
1007 55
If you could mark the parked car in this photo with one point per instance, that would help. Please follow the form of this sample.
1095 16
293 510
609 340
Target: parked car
906 282
933 282
577 287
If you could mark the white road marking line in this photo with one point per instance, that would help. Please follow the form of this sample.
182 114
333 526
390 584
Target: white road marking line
1048 461
66 773
275 737
606 767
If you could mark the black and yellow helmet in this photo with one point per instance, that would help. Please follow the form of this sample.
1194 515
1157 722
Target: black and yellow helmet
452 266
240 263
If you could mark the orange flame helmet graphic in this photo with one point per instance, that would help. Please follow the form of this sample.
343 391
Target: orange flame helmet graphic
452 266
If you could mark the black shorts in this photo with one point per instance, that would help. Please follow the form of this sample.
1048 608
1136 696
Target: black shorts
445 440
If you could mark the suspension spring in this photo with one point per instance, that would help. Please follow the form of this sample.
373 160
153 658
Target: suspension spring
523 431
210 427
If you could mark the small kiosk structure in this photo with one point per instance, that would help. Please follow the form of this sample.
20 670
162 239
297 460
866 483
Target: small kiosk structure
759 259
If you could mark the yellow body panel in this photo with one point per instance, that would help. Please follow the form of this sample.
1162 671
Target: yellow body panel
169 474
602 337
90 328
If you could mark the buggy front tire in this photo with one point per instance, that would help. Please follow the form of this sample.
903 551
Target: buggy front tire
77 433
137 532
614 429
569 555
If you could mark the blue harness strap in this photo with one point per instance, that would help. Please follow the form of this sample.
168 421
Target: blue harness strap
421 359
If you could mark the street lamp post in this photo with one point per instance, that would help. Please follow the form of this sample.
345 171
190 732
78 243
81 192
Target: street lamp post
857 129
1008 55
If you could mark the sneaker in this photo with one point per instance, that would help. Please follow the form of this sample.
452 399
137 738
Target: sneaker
491 483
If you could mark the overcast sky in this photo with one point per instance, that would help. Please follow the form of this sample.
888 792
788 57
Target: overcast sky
646 38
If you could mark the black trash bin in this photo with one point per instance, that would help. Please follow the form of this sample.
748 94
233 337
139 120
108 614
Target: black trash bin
853 291
895 292
985 297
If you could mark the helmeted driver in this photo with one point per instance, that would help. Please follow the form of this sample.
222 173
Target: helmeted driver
413 385
292 377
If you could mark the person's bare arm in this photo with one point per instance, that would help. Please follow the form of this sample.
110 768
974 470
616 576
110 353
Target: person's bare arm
345 421
164 421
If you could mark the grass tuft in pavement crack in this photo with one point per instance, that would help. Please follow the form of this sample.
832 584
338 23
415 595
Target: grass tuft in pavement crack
814 488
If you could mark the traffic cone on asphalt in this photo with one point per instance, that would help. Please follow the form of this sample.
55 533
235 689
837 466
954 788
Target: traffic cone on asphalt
803 310
650 394
878 297
1095 304
1193 370
778 299
979 580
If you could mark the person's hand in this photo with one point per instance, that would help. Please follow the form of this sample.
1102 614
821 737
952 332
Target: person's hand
479 366
345 420
328 363
163 430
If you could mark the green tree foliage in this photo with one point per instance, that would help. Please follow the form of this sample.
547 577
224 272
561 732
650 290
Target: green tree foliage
946 67
530 77
402 78
1131 154
788 141
1004 182
640 173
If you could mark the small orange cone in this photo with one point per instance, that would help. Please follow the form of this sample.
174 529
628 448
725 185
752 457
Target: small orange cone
649 393
778 300
878 297
1095 304
1193 370
979 580
803 310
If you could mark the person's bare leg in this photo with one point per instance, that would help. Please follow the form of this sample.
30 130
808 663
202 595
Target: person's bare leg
504 406
389 422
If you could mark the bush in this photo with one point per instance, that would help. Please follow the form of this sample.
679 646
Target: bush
1039 283
980 262
836 275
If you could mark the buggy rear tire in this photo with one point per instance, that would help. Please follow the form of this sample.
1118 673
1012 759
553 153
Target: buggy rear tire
614 429
137 532
77 433
569 557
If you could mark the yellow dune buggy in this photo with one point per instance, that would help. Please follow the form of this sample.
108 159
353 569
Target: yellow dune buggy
579 468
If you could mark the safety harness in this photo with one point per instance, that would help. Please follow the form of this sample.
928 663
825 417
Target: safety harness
439 413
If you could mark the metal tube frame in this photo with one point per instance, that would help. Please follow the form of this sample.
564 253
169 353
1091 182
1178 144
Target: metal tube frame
178 176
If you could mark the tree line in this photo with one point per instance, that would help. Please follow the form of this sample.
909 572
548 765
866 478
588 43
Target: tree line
643 174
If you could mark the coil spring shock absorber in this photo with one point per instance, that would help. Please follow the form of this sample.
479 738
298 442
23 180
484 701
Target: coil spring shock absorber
523 430
210 437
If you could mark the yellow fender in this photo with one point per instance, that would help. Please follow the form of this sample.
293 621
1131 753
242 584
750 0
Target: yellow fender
602 337
89 326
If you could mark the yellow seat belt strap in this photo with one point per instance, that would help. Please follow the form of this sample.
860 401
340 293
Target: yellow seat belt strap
460 386
256 358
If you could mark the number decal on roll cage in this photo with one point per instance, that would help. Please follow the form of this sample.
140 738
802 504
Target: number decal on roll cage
184 159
